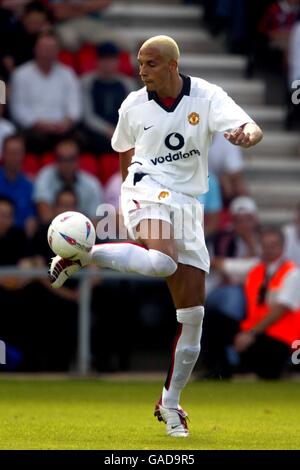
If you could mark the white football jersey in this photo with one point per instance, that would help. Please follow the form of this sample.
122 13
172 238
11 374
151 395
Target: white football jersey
171 144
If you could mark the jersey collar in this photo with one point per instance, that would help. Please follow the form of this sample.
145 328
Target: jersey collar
186 88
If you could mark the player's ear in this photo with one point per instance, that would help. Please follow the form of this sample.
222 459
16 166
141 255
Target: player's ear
173 64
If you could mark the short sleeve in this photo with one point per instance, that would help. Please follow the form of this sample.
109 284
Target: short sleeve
224 113
122 139
289 294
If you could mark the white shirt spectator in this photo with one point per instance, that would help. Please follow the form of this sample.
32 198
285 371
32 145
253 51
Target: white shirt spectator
36 96
6 129
292 243
87 188
289 292
223 157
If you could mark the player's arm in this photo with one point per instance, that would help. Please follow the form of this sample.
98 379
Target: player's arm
125 160
245 136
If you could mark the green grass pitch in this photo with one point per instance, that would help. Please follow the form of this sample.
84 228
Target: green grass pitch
96 414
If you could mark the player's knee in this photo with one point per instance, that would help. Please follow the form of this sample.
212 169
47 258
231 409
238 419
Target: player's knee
163 265
191 315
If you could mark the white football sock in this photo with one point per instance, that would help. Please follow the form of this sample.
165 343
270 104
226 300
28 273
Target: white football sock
129 257
185 354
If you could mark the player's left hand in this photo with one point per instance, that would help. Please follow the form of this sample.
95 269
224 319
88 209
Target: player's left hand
247 136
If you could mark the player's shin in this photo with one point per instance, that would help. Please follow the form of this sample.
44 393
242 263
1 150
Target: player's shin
129 257
185 354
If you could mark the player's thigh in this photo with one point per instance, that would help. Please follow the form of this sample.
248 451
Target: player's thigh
187 286
157 235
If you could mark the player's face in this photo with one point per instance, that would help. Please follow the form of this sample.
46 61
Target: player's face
155 70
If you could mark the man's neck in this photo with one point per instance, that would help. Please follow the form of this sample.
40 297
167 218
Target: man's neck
68 180
173 90
44 68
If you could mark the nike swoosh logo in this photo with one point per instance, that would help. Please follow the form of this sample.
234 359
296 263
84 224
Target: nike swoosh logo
146 128
187 362
177 426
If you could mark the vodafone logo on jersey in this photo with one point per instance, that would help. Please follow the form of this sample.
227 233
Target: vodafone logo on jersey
174 141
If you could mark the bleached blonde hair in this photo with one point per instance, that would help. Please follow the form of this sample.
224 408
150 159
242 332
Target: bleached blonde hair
166 46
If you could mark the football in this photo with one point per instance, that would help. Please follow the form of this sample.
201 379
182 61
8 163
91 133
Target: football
71 235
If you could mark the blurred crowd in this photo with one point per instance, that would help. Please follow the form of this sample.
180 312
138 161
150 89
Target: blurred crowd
267 32
67 74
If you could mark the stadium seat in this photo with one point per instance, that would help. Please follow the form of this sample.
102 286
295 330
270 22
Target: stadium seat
126 66
86 61
31 165
88 163
108 164
47 159
67 58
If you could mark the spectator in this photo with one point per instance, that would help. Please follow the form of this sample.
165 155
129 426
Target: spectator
232 14
103 93
12 239
8 20
212 201
15 185
13 246
19 40
112 190
6 128
65 200
52 324
292 239
65 172
45 97
278 21
272 322
80 21
236 252
225 161
15 6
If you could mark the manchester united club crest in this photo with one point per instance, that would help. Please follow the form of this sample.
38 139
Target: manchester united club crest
163 195
194 118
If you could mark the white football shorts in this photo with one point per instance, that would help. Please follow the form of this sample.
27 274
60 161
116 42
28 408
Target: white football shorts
144 198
